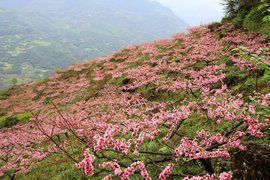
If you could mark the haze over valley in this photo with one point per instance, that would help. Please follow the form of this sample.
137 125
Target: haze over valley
38 37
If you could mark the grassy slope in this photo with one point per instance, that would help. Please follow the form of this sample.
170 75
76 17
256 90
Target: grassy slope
37 95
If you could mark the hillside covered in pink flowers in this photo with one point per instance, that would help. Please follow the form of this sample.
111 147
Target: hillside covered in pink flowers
179 108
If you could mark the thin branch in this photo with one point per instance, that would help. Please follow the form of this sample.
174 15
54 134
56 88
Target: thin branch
50 138
70 128
155 153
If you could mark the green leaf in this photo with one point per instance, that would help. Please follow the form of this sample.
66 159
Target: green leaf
164 150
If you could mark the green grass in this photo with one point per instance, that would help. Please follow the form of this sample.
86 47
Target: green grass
4 94
55 167
120 81
9 121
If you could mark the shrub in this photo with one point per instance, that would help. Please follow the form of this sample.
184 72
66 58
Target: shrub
214 26
239 19
253 20
9 121
4 94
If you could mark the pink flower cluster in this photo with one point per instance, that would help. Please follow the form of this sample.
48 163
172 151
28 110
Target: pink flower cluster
133 167
255 127
113 165
226 176
222 176
126 173
194 150
166 172
107 141
243 64
87 163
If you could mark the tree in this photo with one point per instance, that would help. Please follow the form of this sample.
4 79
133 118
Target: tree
14 81
231 7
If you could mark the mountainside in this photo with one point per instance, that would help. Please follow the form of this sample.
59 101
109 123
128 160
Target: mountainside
38 37
175 108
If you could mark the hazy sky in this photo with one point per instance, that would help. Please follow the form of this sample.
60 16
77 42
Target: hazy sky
196 12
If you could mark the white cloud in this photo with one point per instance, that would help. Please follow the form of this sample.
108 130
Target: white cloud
196 12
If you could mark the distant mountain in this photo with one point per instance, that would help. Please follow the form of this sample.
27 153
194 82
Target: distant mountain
39 36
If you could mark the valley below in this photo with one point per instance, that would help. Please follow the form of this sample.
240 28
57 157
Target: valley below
39 37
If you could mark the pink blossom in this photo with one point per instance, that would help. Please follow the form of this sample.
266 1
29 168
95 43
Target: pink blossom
87 163
225 176
166 172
